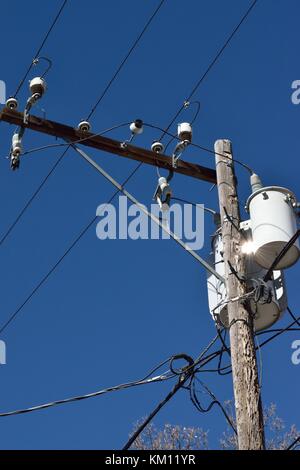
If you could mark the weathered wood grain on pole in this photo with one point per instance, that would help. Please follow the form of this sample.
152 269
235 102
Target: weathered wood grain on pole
249 415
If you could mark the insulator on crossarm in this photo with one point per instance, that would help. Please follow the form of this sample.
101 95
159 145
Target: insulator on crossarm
136 126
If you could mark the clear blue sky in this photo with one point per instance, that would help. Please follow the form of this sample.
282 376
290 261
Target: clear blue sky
106 316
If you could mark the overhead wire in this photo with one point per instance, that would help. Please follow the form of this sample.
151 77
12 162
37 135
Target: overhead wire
47 275
179 384
93 109
77 398
23 210
192 121
36 192
40 47
200 147
137 40
145 380
199 81
106 89
78 141
123 386
184 376
276 330
31 199
258 349
283 330
192 144
150 215
225 348
169 374
41 185
210 66
207 209
63 256
293 444
215 401
190 371
212 63
280 255
292 315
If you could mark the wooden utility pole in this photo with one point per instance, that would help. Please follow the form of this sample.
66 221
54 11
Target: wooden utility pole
249 415
244 367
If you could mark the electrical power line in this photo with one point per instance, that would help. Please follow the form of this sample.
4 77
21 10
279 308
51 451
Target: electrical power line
106 89
283 330
186 104
36 192
125 59
68 250
152 217
276 330
184 375
180 383
292 445
53 168
189 371
45 278
200 147
189 374
12 317
293 316
124 386
280 255
21 213
215 401
41 46
153 126
23 210
64 144
210 66
207 209
45 179
30 200
103 94
169 374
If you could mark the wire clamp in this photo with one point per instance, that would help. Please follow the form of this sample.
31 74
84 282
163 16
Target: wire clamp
180 147
240 278
263 292
163 192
